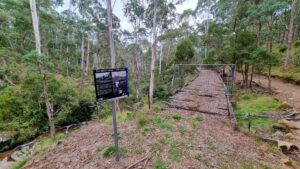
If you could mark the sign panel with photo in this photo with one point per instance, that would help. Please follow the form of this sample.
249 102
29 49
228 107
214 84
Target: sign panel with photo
111 84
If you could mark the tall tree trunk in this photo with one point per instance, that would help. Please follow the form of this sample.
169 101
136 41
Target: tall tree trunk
82 51
270 45
288 58
87 58
82 63
136 63
111 44
257 46
153 56
42 70
160 59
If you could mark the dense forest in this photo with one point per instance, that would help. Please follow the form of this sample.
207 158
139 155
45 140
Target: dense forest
52 84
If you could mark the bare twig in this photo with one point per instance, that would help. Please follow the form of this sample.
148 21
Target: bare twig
139 161
10 82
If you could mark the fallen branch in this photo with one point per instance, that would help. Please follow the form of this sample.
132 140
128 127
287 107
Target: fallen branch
146 162
139 161
257 116
10 82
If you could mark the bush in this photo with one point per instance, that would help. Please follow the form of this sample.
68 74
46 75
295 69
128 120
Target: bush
162 92
185 51
297 43
282 48
23 109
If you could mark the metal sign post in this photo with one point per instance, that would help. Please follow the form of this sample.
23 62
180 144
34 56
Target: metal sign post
112 85
116 135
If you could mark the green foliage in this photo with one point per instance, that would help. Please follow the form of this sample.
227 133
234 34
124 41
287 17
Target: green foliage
162 92
297 44
108 151
47 142
282 48
255 104
176 117
199 118
20 163
185 51
159 164
175 154
162 123
33 58
142 122
121 117
22 106
182 130
198 156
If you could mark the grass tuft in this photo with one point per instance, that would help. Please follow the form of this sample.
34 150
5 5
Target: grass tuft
159 164
108 151
199 118
162 123
142 122
177 117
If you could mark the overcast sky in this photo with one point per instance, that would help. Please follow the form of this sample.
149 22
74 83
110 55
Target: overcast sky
118 10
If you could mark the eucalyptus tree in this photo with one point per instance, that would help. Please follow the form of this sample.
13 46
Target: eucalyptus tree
290 33
160 14
135 10
270 9
35 24
153 52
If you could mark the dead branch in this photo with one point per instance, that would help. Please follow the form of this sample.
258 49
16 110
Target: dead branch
139 161
10 82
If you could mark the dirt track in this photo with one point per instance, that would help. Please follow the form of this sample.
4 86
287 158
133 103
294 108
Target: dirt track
211 143
286 91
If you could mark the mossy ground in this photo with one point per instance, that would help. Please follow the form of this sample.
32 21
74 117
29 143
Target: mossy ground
255 104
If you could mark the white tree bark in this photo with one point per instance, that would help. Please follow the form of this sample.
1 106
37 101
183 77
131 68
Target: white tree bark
288 58
87 58
35 24
110 35
82 51
160 58
153 56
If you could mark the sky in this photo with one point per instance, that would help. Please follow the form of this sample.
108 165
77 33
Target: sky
118 10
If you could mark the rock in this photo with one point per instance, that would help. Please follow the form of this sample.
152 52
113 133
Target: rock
290 124
290 163
5 164
285 106
277 134
291 136
279 127
287 146
17 155
5 143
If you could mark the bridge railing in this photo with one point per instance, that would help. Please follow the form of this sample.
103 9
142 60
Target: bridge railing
185 73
